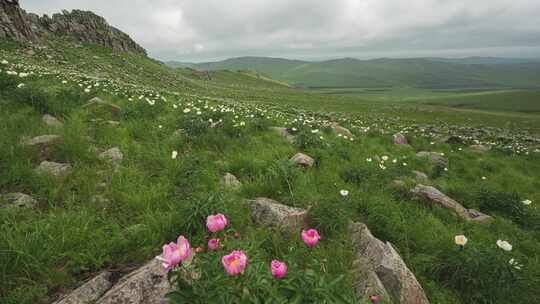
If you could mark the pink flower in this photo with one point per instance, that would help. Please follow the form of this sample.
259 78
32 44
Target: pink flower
278 269
234 263
216 223
173 254
310 237
199 249
213 244
375 299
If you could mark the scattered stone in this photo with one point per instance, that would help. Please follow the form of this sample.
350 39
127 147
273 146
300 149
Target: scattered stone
284 132
303 160
434 158
51 121
17 200
269 213
57 170
341 130
90 291
420 177
453 140
433 195
229 181
43 141
480 148
400 140
380 270
96 104
113 155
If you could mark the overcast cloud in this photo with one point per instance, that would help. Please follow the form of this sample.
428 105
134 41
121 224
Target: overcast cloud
200 30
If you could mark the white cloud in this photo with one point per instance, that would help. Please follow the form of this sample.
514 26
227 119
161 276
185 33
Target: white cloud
197 29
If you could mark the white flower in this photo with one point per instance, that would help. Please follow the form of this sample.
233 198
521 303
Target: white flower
23 75
484 178
460 240
504 245
20 85
242 123
64 81
87 90
344 192
174 154
315 131
514 263
294 129
405 164
160 126
187 110
527 202
384 157
369 159
4 62
445 169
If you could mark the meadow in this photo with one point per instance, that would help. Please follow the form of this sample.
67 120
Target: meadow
116 216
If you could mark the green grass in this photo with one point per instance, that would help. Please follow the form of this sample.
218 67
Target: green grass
152 199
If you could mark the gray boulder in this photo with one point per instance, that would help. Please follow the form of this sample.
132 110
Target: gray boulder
97 105
54 169
434 158
51 121
90 291
433 195
284 132
379 270
113 155
229 181
420 177
341 130
17 200
269 213
42 141
400 140
303 160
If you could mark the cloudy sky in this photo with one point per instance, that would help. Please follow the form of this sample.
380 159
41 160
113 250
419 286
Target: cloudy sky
201 30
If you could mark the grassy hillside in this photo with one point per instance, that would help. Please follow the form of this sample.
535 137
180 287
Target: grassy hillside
432 73
106 216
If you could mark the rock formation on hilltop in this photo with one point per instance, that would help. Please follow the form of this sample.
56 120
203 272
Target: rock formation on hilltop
83 26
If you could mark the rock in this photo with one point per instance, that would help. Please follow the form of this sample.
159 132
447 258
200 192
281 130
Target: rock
269 213
13 22
453 140
284 132
378 269
434 158
146 285
341 130
480 148
303 160
97 105
43 141
16 200
420 176
229 181
90 291
400 140
82 26
433 195
113 155
57 170
51 121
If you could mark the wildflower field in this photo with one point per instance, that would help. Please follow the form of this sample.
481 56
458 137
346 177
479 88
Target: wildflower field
162 164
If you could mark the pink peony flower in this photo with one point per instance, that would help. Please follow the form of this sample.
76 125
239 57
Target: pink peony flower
174 253
213 244
234 263
375 299
278 269
310 237
216 223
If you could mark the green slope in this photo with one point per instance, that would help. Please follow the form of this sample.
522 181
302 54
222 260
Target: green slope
433 73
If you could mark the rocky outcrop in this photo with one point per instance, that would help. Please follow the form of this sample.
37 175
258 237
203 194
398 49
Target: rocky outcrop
269 213
51 121
113 156
379 270
341 130
433 195
13 22
82 26
101 108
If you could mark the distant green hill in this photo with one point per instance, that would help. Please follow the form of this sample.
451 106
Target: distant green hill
429 73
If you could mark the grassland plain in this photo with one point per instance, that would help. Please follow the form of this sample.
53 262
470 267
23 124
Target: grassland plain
151 198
